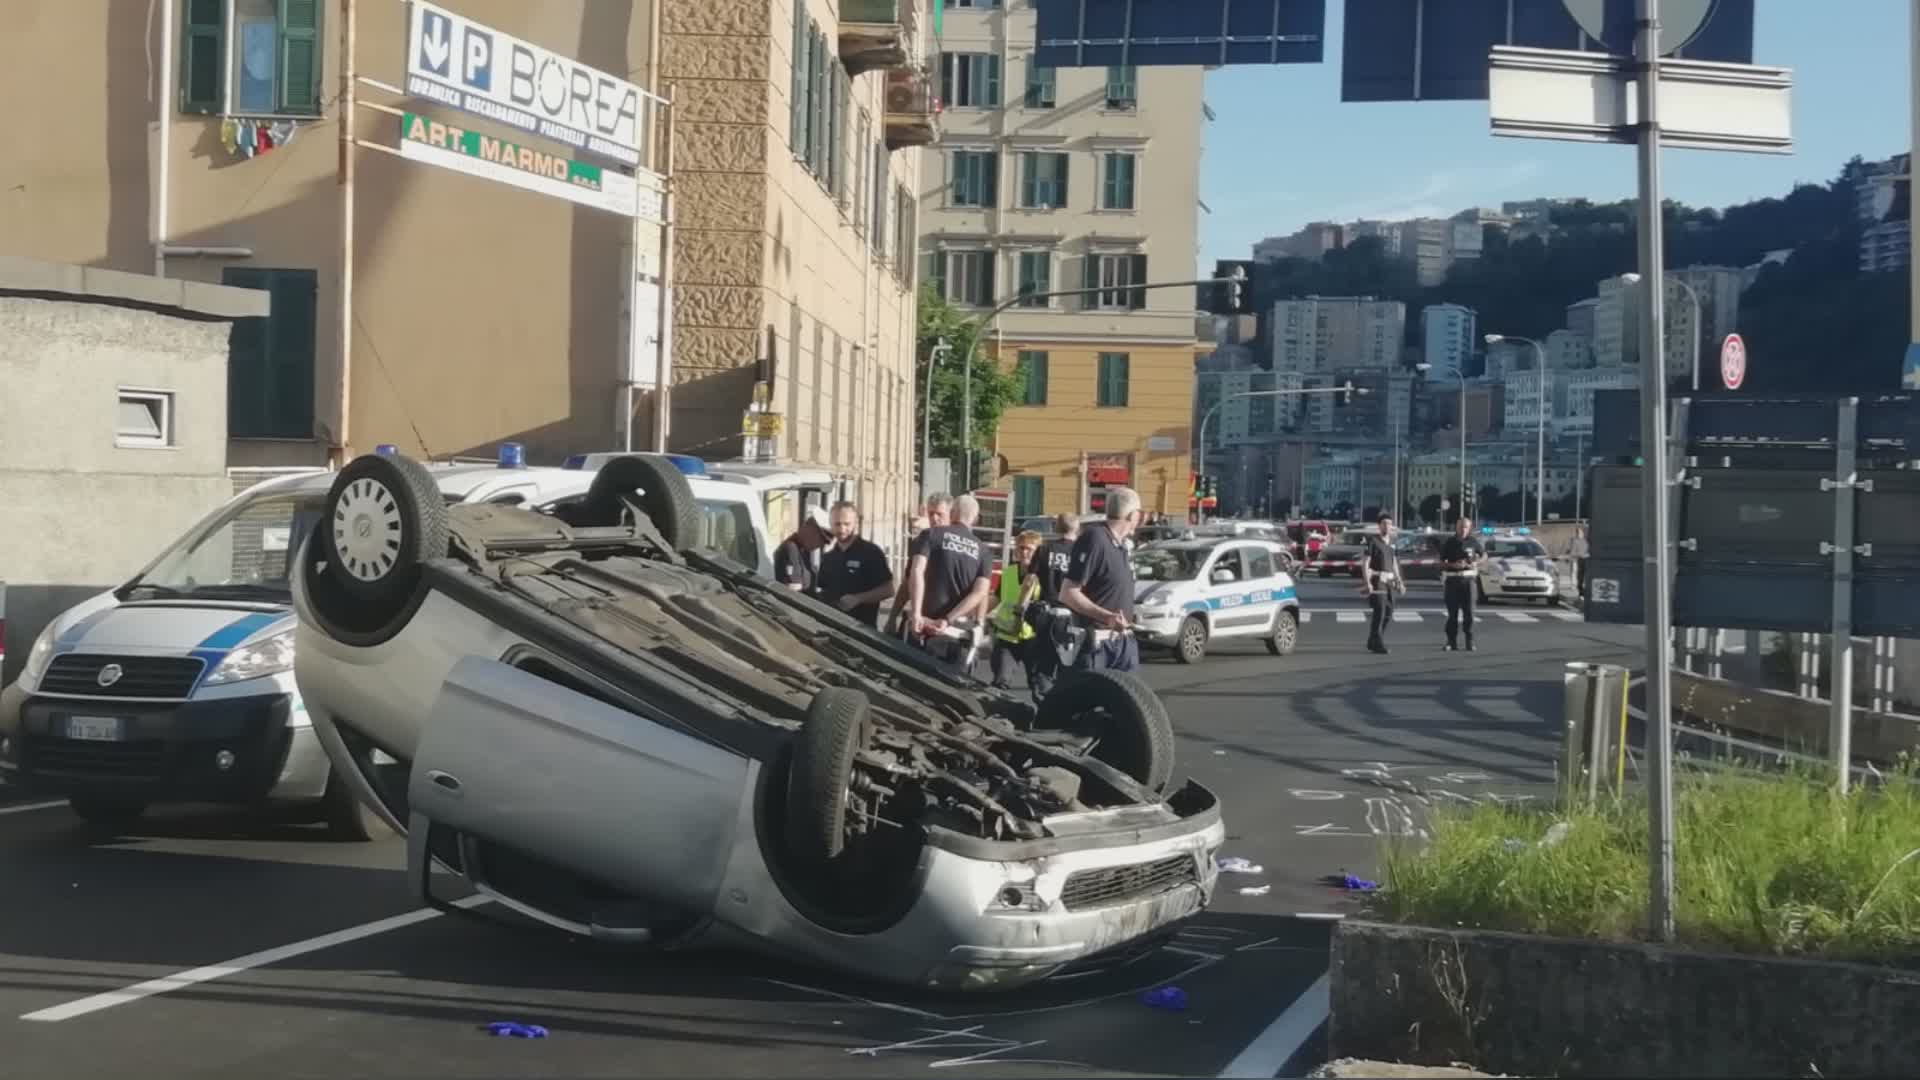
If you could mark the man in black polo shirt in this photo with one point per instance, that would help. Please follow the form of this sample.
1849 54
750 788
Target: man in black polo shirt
1459 565
854 576
796 562
948 579
1049 570
1099 587
1380 580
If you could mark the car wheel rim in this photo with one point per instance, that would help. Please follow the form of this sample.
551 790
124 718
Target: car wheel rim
1285 637
1190 641
366 530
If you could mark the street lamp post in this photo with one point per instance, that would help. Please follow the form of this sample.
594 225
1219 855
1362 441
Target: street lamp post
940 349
1540 464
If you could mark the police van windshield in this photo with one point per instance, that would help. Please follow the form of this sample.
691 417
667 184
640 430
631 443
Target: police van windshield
1168 563
245 553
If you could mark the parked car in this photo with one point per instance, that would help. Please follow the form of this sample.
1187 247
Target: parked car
1345 556
1419 554
1190 593
1307 537
178 687
1518 567
606 729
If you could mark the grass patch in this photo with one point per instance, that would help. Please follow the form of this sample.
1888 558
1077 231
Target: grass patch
1763 863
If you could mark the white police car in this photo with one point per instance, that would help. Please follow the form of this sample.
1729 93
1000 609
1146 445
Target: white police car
178 685
1517 567
1190 593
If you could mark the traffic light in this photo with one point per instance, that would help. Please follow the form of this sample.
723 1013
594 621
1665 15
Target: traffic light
1343 394
1229 291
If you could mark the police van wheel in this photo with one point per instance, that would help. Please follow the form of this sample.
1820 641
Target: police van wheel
384 519
1134 734
1191 646
660 488
1286 634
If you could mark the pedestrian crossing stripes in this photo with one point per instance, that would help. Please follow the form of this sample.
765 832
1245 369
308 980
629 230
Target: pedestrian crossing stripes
1353 615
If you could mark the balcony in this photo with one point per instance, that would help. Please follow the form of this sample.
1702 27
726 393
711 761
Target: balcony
912 108
875 34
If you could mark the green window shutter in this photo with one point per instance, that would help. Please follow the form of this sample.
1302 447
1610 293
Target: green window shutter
201 56
1137 276
992 64
1122 364
248 356
300 56
797 133
1029 178
990 178
271 359
1062 161
1033 364
1029 496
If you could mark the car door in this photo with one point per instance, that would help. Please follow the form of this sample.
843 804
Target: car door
1230 594
1264 584
531 755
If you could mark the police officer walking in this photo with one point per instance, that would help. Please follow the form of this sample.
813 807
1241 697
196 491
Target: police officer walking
1459 570
854 575
1099 587
1046 614
1380 581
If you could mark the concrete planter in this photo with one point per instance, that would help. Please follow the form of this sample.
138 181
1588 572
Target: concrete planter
1538 1006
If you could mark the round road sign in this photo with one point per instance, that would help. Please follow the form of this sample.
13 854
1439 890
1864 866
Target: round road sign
1733 362
1610 22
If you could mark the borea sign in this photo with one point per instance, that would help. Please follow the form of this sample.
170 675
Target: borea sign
505 161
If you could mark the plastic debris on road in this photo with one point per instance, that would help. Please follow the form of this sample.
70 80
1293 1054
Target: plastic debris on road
1255 890
511 1029
1350 883
1557 833
1171 998
1234 864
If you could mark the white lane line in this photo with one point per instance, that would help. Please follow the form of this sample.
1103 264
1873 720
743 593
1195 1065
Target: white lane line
1406 616
166 984
1514 616
1567 616
1306 616
1350 616
1270 1051
27 807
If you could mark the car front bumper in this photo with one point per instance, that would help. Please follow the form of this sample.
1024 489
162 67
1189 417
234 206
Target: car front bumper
167 752
1157 626
1536 585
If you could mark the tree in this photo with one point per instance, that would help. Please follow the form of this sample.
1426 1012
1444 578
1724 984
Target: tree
995 385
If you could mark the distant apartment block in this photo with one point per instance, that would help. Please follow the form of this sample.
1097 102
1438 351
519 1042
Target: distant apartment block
1391 234
1324 334
1568 350
1506 357
1616 322
1447 335
1311 242
1576 400
1882 203
1581 316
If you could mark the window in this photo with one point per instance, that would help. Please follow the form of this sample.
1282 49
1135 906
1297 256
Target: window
1123 91
975 176
1029 496
1259 563
1115 276
1112 389
270 370
970 80
1033 364
1043 180
965 277
797 127
1036 276
863 178
880 176
1042 86
906 217
1116 185
274 65
145 419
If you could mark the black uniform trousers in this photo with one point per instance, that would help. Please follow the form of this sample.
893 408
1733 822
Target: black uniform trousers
1381 600
1459 597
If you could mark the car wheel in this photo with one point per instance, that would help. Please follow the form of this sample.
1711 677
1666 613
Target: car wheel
384 518
348 819
1192 643
661 489
111 812
1286 634
821 773
1131 725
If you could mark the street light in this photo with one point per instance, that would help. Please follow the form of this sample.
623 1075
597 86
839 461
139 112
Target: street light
1200 448
940 349
1458 373
1540 466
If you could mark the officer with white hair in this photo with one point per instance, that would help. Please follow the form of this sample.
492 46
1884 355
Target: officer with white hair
947 579
1099 587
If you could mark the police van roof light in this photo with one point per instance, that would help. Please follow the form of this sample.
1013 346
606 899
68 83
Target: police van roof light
1486 530
513 456
1523 531
688 464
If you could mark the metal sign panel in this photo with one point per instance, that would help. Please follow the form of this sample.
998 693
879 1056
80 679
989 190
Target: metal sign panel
474 68
1436 50
1173 33
506 162
1587 97
1733 362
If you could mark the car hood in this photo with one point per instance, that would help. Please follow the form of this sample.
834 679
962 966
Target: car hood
1144 591
172 626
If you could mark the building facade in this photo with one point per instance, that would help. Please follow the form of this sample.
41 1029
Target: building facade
1322 334
483 313
1052 179
1448 335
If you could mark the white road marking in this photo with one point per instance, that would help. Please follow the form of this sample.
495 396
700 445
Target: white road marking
1306 616
1270 1051
167 984
27 807
1567 616
1515 616
1406 616
1350 616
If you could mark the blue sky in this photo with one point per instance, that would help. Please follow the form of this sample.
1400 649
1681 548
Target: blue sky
1285 151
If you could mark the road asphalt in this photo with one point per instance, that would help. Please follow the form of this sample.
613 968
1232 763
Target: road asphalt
204 943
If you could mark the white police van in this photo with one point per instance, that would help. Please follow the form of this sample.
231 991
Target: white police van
178 685
1189 593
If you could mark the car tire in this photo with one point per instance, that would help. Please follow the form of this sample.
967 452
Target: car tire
822 769
106 812
383 520
347 819
1190 647
1286 634
662 491
1134 734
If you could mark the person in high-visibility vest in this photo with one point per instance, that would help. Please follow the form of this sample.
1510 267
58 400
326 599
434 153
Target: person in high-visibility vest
1009 619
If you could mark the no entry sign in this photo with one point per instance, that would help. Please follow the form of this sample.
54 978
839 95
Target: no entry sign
1733 362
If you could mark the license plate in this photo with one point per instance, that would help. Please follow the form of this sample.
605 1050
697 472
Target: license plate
96 728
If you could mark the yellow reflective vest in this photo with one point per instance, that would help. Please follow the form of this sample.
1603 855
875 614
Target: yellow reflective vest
1005 621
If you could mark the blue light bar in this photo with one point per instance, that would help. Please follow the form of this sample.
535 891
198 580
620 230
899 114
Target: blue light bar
513 456
688 464
1523 531
1486 530
575 461
386 449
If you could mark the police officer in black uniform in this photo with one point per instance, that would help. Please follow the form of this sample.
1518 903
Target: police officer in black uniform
796 562
948 576
1099 587
1381 581
854 575
1049 569
1460 559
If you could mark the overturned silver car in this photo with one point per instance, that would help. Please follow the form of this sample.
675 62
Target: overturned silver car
638 743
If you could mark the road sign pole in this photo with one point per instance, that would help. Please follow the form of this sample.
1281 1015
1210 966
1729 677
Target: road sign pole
347 102
1654 483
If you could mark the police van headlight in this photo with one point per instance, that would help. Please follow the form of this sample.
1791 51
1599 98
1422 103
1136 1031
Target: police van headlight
268 656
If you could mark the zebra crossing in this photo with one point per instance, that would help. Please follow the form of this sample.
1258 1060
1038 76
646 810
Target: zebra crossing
1361 615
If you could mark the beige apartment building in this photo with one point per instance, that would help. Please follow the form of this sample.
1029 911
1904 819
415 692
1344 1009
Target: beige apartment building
200 139
1047 179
